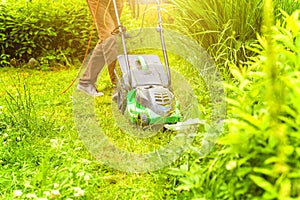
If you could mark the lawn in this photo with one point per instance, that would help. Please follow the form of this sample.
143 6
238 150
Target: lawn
46 158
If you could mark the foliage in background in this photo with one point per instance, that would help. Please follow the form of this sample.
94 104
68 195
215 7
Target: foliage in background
260 156
55 32
225 28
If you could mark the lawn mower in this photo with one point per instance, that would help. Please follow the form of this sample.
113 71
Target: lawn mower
144 88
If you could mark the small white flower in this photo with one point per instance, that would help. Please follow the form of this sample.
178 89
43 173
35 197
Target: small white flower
69 199
5 135
76 189
17 193
54 143
18 138
80 174
55 192
47 193
56 185
1 107
43 117
231 165
86 177
27 184
78 192
30 195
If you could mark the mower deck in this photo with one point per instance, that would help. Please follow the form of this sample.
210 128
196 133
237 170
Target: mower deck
149 99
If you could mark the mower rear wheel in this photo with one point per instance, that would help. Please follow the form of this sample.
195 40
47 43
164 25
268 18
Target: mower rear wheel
142 119
121 100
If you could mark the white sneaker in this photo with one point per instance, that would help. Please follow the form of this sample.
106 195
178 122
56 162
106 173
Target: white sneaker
115 97
90 90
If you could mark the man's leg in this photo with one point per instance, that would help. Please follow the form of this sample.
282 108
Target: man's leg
110 47
111 69
106 51
110 52
95 65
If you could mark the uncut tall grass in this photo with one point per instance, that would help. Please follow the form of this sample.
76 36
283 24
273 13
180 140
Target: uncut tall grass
225 27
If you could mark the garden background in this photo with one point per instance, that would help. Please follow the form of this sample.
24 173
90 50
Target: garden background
256 47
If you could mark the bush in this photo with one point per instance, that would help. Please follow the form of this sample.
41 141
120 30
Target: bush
259 157
50 32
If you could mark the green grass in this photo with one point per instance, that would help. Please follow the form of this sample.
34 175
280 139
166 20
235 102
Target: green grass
42 153
48 155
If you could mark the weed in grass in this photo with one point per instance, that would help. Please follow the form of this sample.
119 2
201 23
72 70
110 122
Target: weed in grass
20 111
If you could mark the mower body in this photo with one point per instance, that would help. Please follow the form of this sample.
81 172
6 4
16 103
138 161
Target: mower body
146 96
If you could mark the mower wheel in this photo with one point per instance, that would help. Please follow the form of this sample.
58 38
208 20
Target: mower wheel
121 100
142 119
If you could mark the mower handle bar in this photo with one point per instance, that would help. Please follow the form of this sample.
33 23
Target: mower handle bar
162 40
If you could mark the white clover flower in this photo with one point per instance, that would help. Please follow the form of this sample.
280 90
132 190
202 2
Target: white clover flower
55 192
54 143
47 193
30 195
5 135
55 185
76 189
17 193
80 174
78 192
27 184
86 177
231 165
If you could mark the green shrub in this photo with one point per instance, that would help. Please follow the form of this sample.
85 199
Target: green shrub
260 156
50 32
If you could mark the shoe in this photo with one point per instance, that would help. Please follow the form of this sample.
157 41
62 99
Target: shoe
115 97
90 90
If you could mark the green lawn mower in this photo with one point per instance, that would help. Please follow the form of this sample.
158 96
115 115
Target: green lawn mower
144 90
